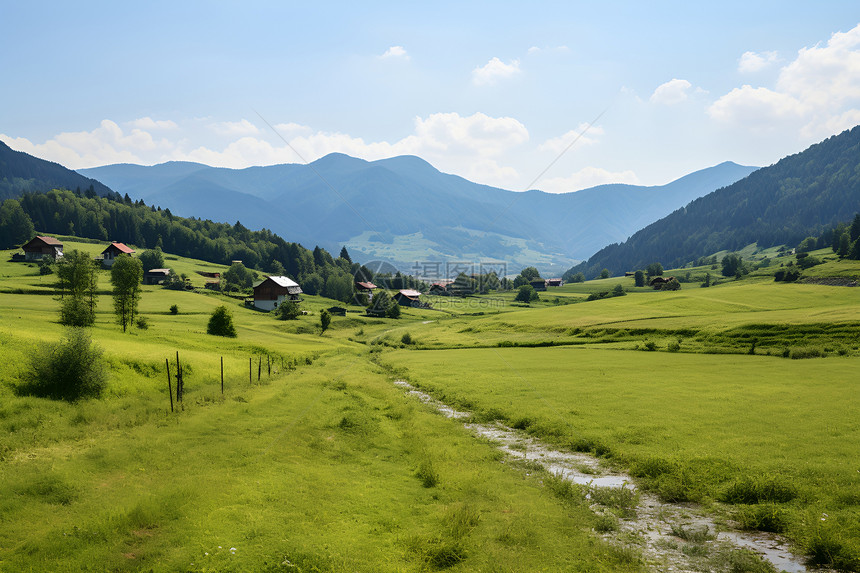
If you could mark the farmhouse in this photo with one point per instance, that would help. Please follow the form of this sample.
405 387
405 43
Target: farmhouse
155 276
114 250
554 282
365 288
274 291
441 287
39 247
538 284
408 297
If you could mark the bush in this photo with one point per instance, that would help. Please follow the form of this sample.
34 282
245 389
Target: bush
325 320
526 294
142 323
174 309
288 311
221 323
76 311
68 370
406 338
393 310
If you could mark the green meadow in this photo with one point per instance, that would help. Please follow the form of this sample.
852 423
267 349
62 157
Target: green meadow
741 397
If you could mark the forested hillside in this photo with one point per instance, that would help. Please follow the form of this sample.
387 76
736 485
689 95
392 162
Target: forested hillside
20 172
795 198
68 213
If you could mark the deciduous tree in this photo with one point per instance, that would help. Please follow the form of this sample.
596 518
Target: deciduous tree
125 276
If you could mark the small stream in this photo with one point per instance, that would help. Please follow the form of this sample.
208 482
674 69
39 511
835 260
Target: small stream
654 519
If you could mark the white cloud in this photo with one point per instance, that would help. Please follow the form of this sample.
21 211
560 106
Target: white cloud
816 94
672 92
493 71
104 145
558 49
587 177
583 135
235 128
395 52
149 123
751 62
757 108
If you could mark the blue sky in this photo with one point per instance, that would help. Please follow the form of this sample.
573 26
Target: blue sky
492 91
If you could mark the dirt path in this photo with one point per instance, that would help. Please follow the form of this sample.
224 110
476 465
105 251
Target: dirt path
672 537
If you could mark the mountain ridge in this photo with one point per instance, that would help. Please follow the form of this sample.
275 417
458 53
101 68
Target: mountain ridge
414 207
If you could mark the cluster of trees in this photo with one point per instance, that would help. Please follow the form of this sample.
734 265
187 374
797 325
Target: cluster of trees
842 238
781 204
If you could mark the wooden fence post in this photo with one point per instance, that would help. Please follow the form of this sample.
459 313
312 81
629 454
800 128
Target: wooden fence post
180 382
259 366
222 375
250 371
269 364
169 386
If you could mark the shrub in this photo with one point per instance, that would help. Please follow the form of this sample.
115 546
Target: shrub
174 309
325 320
406 338
142 323
71 369
526 294
221 323
288 311
76 311
393 310
618 291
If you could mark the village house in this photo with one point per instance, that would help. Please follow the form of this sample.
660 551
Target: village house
39 247
408 297
114 250
155 276
554 282
274 291
365 288
538 284
441 287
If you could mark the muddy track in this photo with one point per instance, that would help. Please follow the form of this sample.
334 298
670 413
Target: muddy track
671 536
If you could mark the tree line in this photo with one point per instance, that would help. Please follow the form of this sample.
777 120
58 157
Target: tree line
120 219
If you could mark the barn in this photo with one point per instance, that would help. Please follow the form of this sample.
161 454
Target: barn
365 288
408 297
274 291
39 247
155 276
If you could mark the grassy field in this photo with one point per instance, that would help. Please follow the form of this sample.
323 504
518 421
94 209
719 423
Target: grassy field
325 465
322 466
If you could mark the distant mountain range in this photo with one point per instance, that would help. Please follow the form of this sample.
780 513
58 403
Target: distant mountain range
781 204
21 172
403 210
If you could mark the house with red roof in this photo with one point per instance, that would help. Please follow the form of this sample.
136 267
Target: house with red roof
114 250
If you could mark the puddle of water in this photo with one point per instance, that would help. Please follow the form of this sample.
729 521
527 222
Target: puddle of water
654 518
